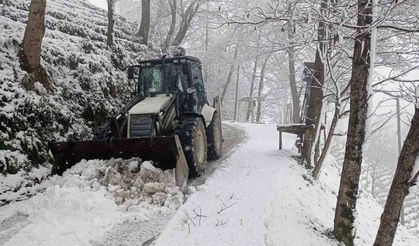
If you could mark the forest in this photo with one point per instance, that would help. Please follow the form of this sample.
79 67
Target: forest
344 75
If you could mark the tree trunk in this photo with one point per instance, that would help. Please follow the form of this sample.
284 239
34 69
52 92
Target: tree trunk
111 22
349 182
34 33
293 84
405 177
317 168
315 101
230 74
291 66
30 54
187 18
260 90
173 13
206 66
373 181
236 98
252 84
144 31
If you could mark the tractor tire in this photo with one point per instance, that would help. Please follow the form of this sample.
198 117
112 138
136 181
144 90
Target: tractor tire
194 142
214 138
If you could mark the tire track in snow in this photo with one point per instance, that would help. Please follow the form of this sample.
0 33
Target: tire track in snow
11 225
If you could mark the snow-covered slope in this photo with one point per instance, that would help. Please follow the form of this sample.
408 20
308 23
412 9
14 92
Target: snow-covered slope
89 79
262 196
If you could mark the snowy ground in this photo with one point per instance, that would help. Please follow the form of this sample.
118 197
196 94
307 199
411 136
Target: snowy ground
256 195
261 196
85 204
81 208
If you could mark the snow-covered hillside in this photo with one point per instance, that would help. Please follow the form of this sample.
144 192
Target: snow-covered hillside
258 195
88 79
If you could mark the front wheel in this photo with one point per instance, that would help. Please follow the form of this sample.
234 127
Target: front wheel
194 142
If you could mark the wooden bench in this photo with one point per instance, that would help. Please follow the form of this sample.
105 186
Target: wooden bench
297 129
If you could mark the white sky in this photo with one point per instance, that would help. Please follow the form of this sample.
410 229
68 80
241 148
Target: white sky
100 3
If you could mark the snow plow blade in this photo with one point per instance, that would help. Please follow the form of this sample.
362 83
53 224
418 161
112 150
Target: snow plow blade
165 152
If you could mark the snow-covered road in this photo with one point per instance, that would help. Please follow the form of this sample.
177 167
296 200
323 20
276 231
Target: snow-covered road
233 205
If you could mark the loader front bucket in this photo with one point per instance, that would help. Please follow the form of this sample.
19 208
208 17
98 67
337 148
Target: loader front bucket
165 152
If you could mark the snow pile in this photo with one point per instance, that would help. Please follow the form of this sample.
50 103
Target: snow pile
89 201
131 182
71 211
262 196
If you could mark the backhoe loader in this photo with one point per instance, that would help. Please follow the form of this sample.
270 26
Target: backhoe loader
169 121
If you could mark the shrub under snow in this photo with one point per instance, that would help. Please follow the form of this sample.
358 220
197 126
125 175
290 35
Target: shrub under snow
88 79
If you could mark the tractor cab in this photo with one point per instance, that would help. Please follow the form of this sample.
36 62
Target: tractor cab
167 76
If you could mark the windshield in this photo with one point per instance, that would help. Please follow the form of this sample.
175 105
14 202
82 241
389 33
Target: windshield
153 81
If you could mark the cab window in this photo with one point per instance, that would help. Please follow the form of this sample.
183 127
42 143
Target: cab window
198 84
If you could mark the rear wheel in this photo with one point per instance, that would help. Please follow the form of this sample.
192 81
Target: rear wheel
214 138
194 142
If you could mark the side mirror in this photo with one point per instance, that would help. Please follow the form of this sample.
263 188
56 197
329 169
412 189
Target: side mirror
130 73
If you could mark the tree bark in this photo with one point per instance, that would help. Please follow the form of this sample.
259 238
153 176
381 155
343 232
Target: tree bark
349 183
315 101
111 22
403 179
260 90
34 33
30 53
144 31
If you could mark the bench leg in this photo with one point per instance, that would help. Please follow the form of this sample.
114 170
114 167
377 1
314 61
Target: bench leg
300 136
280 140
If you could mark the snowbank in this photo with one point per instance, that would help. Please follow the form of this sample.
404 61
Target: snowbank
81 207
20 186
